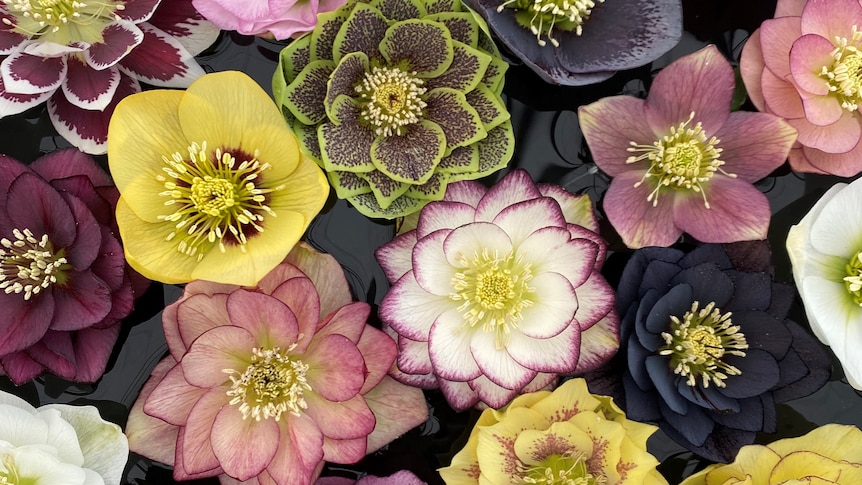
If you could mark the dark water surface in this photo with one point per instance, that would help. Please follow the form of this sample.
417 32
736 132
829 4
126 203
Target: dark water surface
550 147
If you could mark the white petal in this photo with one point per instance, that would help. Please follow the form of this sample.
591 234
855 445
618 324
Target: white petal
444 215
411 310
836 230
552 249
459 395
557 354
516 186
9 399
396 256
449 347
835 313
468 242
497 364
20 427
491 394
103 443
62 436
524 218
430 265
554 306
37 467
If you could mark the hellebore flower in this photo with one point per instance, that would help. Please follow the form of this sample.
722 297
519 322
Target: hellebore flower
582 42
84 57
681 161
403 477
802 66
830 454
279 19
202 184
565 436
497 292
708 349
58 444
65 285
825 250
395 100
290 366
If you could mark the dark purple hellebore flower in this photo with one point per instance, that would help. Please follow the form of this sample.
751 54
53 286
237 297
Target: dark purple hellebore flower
709 351
65 282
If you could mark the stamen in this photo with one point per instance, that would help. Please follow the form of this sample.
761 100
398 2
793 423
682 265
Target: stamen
38 18
853 280
391 99
271 385
844 76
569 468
541 16
29 264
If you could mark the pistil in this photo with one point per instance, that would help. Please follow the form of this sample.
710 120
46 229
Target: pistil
271 385
392 99
8 471
29 264
844 76
542 16
853 280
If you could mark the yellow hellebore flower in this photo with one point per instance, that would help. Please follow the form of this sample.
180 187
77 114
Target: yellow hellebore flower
213 185
567 436
830 454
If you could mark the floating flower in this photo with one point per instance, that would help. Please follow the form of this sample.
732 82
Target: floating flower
65 286
681 161
84 57
395 100
202 184
58 443
825 250
583 41
567 436
497 292
281 19
830 454
708 348
800 66
290 366
403 477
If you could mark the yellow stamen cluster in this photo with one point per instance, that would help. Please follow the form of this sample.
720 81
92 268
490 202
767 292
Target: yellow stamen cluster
683 160
566 469
697 342
216 200
271 385
844 76
8 472
28 264
391 99
37 17
853 280
493 290
567 15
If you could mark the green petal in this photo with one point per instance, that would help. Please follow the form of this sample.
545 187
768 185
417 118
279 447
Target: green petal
397 10
433 189
461 123
362 32
440 6
348 184
291 61
304 96
368 206
384 188
489 106
496 149
323 36
461 26
307 137
423 46
466 71
346 146
411 157
494 75
461 160
349 71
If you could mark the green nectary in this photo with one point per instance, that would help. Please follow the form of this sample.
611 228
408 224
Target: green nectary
395 99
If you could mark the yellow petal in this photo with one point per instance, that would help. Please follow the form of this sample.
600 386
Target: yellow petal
567 400
752 461
564 437
836 441
803 464
495 452
607 437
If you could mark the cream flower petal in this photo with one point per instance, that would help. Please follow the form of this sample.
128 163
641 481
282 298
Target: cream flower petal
449 347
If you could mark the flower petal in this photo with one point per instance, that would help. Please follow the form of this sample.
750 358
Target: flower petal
13 103
777 37
449 343
838 137
430 265
517 186
336 368
552 249
522 219
737 212
269 321
88 88
412 157
809 54
342 420
118 39
755 144
411 310
243 462
554 305
161 60
609 126
29 74
557 354
829 18
397 408
636 219
171 399
214 352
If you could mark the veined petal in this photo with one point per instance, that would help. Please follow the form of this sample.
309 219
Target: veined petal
610 125
430 265
269 321
465 241
413 357
838 137
522 219
491 394
754 144
198 314
781 97
161 60
118 40
336 368
552 249
599 343
215 351
517 186
397 409
779 34
821 110
807 159
149 436
396 256
243 462
635 218
595 300
829 18
751 69
411 310
299 453
809 54
449 347
29 74
88 88
342 420
557 354
172 398
496 364
459 395
554 304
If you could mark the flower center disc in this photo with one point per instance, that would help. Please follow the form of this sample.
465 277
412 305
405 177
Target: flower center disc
8 471
844 76
29 265
271 385
391 99
853 280
683 160
61 19
569 469
697 342
542 16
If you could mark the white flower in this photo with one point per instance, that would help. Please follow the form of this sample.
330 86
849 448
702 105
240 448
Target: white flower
825 250
58 444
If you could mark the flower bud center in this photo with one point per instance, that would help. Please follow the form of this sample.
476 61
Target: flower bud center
493 290
391 99
683 160
566 469
272 384
216 202
697 342
853 280
29 265
844 76
57 20
542 16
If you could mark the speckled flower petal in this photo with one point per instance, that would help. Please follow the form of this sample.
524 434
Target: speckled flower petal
348 184
350 71
411 157
489 106
367 205
433 189
461 26
466 70
460 160
495 151
450 110
362 32
421 46
291 61
384 188
323 37
397 10
346 146
304 96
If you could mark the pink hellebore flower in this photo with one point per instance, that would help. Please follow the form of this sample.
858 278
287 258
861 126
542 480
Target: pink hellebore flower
280 19
497 292
65 285
84 57
265 383
403 477
681 161
803 65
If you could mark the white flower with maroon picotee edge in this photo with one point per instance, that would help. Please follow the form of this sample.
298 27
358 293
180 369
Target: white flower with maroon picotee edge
84 57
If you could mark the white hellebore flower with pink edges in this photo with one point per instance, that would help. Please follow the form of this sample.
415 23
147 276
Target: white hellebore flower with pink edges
58 444
83 57
497 292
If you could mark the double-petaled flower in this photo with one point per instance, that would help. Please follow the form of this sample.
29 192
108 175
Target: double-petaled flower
681 161
83 57
279 19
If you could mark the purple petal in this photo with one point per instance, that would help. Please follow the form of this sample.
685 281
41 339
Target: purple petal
27 74
522 219
754 144
19 367
443 215
83 302
88 238
89 88
737 212
69 162
33 204
13 103
93 346
9 39
118 40
24 322
595 300
449 348
599 344
161 60
137 11
609 125
411 310
186 24
517 186
343 420
638 222
54 352
491 394
243 462
466 191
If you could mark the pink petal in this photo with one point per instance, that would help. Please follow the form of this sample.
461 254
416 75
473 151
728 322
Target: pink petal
336 367
411 310
781 97
431 268
379 351
396 256
33 204
300 296
180 472
754 144
349 321
830 18
595 300
161 60
118 40
522 219
326 273
269 321
738 212
195 450
85 302
808 55
839 137
349 419
275 278
789 8
702 83
800 162
776 38
137 11
497 364
555 302
88 236
397 409
459 395
230 429
609 125
88 88
149 436
218 349
821 110
344 451
27 74
517 186
751 69
300 452
413 357
467 191
552 249
449 348
557 354
13 103
173 398
443 215
599 344
19 367
638 222
842 164
192 317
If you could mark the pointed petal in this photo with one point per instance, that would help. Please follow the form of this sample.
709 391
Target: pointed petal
411 310
396 256
754 144
397 409
118 40
160 60
737 212
635 218
449 348
149 436
517 186
609 125
443 215
28 74
496 364
186 25
88 88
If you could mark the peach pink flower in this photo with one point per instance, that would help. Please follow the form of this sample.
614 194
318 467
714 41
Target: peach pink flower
280 19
